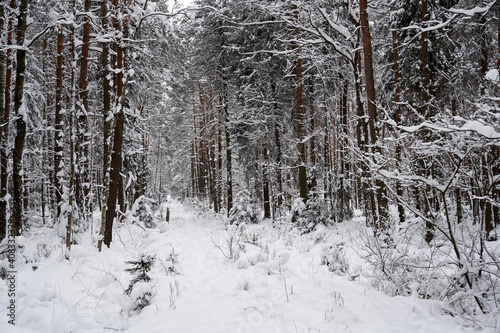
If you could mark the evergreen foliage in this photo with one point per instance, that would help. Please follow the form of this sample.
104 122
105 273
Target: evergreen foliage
243 210
139 270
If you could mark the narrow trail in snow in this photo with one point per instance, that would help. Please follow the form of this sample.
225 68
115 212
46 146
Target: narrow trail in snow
276 284
218 295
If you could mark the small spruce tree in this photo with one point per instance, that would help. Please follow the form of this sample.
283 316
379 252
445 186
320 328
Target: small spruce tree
139 269
243 210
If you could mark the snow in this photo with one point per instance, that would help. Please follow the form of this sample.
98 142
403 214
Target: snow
493 75
276 282
482 129
472 125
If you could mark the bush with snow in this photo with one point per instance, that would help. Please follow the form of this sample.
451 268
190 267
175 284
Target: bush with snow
139 289
334 257
230 242
142 210
308 216
243 210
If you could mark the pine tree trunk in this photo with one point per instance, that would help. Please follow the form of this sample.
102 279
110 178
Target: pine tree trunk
106 88
73 116
194 154
279 176
343 206
115 188
3 124
58 118
107 122
212 156
220 182
83 176
300 120
381 219
21 114
265 187
397 117
229 160
300 134
69 224
424 58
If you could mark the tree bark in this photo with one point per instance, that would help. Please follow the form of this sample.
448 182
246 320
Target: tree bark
21 114
343 204
279 176
3 123
83 180
498 51
107 121
265 187
381 219
116 154
300 119
300 132
58 118
397 116
424 66
106 89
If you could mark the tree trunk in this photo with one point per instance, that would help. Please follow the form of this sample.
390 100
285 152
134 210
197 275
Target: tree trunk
69 224
424 66
119 85
115 190
58 127
300 120
194 154
106 88
83 176
397 117
3 123
344 208
498 50
107 122
381 219
265 186
21 114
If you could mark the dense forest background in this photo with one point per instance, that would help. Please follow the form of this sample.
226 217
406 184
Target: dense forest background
307 110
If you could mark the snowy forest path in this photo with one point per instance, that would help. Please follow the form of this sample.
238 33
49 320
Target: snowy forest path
276 283
204 303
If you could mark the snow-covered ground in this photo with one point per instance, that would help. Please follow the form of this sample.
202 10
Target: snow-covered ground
274 283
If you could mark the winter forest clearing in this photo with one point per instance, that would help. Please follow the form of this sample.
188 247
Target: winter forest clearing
328 165
275 282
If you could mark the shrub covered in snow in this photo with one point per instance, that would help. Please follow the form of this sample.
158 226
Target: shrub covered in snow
307 216
139 289
243 210
334 258
142 210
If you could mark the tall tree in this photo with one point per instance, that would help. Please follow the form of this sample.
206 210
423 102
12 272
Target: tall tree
21 112
381 219
83 178
59 121
300 119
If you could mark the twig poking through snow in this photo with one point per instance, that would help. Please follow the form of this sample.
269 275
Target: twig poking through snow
286 291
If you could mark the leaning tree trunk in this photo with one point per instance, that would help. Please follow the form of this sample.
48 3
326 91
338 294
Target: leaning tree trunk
21 114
